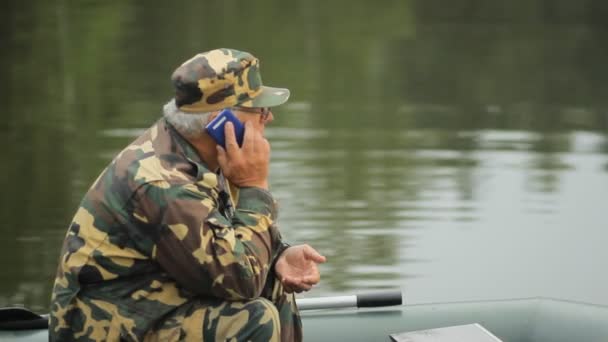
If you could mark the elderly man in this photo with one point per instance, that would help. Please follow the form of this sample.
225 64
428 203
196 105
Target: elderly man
176 239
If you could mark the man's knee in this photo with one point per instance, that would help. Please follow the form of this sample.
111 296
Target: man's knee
264 319
256 320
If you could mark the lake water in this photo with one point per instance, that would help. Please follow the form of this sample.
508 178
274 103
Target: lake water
458 151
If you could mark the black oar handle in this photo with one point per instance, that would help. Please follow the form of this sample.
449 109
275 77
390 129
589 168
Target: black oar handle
375 299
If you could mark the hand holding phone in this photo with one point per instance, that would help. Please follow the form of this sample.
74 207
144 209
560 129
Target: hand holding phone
245 163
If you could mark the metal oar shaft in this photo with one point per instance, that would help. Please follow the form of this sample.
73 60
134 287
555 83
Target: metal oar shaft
327 302
374 299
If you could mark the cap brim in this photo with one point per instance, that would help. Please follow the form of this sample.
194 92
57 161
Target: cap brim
269 97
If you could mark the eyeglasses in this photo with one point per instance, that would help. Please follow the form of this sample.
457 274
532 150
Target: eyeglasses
264 111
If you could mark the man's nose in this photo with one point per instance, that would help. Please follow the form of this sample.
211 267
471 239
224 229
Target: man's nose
270 117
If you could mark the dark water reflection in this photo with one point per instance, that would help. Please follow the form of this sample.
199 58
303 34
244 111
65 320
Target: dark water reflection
458 151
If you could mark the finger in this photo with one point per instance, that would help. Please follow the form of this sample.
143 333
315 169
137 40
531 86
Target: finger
311 280
291 281
311 254
297 284
221 156
248 138
296 287
303 287
232 146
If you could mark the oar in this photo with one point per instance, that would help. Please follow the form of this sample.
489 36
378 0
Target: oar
17 318
363 300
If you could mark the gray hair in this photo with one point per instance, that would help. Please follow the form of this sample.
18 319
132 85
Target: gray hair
190 125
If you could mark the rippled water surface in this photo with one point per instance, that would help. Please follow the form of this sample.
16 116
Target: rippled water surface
459 152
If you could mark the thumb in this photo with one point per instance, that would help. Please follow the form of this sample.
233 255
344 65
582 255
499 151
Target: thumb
311 254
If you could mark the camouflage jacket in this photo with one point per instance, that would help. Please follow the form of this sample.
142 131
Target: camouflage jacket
155 230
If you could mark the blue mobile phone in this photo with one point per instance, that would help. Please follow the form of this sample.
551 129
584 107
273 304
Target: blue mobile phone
216 128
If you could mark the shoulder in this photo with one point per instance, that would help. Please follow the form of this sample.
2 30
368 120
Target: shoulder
155 158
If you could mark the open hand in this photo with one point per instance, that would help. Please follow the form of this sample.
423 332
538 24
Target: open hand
297 268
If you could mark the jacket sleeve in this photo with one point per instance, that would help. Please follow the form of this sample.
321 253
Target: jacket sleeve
200 248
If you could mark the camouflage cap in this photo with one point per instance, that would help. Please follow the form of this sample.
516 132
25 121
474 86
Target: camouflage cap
220 79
